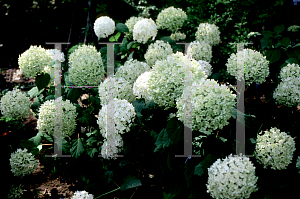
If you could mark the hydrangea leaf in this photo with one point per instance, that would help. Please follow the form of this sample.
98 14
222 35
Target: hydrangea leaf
122 27
37 139
168 40
35 92
175 132
74 94
77 147
279 29
130 182
63 145
273 55
42 81
285 41
201 168
162 141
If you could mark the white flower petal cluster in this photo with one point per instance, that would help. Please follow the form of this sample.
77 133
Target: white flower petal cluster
200 51
293 28
86 66
82 195
211 105
206 67
166 82
122 89
130 25
15 105
178 36
209 33
298 164
33 61
288 92
143 30
171 115
22 163
234 177
104 26
131 70
140 86
48 115
274 149
53 52
124 114
290 71
171 19
256 66
16 192
157 51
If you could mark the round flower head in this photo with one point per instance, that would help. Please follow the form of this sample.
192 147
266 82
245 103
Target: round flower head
290 71
33 61
256 66
209 33
211 105
48 115
15 105
104 26
22 163
274 149
178 36
130 25
200 51
121 89
140 87
111 146
131 70
53 53
206 67
143 30
157 51
234 177
288 92
82 195
85 66
298 164
166 81
171 18
293 28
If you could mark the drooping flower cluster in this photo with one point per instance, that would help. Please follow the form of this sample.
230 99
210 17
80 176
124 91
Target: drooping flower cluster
22 163
143 30
171 19
122 89
206 67
130 25
33 61
274 149
234 177
82 195
256 66
53 52
15 192
86 66
131 70
177 36
209 33
166 81
104 26
15 105
48 114
298 164
140 86
200 51
157 51
211 105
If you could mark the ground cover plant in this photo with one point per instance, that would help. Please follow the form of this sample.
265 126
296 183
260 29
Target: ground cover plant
149 103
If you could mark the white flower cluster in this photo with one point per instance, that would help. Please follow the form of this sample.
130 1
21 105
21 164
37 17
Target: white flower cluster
104 26
288 90
234 177
256 66
209 33
293 28
16 192
48 115
130 25
157 51
86 66
52 53
22 163
15 105
33 61
274 149
171 19
211 105
200 51
166 82
131 70
143 30
124 114
177 36
171 115
206 67
140 86
122 89
298 164
82 195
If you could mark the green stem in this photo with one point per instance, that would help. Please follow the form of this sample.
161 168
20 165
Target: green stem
109 192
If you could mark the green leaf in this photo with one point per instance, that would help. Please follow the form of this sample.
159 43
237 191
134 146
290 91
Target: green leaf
123 46
130 45
167 39
222 139
42 81
273 55
138 105
175 132
121 27
201 168
130 56
162 141
91 140
37 139
35 105
77 147
266 42
130 182
117 36
285 41
189 173
279 29
30 146
74 94
216 76
267 34
91 152
86 119
47 137
168 196
92 133
63 145
103 50
35 92
50 97
112 38
135 45
291 61
293 52
253 141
